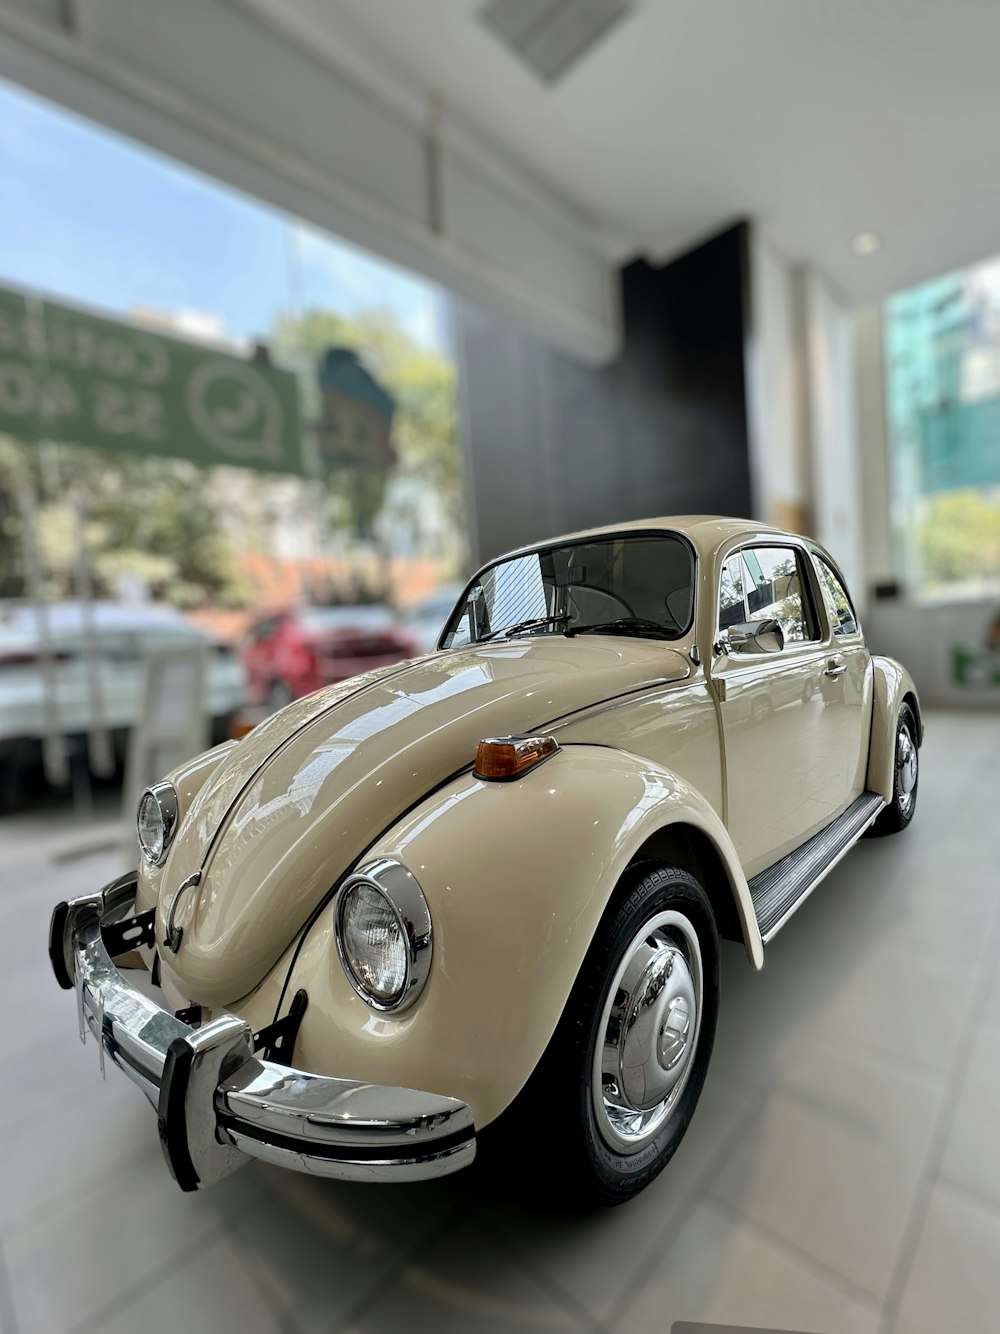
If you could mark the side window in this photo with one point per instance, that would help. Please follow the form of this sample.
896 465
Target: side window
731 608
775 591
838 604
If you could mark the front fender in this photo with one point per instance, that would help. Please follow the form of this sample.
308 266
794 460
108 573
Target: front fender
892 684
517 876
188 779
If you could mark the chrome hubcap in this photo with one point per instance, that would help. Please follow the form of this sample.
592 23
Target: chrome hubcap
906 768
649 1032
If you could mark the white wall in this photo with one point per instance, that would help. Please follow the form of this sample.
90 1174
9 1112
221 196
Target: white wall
801 387
873 447
779 458
251 101
833 438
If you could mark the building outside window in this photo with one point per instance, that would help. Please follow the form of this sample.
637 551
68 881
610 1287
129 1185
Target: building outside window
942 349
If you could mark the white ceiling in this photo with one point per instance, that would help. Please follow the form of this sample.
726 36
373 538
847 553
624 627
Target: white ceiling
818 118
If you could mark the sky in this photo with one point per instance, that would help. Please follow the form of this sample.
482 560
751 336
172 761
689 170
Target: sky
92 218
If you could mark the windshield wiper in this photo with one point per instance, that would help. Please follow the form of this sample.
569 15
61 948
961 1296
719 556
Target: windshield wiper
625 625
535 623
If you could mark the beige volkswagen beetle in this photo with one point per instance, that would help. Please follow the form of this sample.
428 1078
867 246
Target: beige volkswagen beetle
456 890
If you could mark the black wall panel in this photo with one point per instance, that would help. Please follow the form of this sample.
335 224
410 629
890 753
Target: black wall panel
555 444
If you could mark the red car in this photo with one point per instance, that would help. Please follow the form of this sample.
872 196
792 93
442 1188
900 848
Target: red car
290 653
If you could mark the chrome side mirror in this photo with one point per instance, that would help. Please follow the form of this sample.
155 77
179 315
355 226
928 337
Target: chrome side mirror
756 637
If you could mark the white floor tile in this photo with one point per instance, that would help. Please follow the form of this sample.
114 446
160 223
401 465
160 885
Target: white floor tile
73 1144
972 1157
833 1162
466 1283
593 1255
955 1280
211 1294
720 1270
320 1246
895 1002
74 1260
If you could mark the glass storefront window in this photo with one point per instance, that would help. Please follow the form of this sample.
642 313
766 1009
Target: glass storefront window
99 224
942 354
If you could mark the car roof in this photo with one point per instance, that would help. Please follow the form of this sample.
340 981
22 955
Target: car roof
707 532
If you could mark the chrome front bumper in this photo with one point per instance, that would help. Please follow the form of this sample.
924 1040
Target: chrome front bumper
217 1104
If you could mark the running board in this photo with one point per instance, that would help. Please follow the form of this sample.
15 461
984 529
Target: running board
785 886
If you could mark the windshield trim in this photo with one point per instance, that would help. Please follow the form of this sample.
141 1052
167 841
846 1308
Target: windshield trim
559 544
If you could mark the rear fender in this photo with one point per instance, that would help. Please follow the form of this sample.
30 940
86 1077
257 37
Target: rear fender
517 876
893 686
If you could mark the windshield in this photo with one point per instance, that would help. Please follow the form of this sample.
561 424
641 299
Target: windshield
615 585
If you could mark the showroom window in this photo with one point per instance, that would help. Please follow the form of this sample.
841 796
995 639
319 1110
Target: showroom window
125 265
942 358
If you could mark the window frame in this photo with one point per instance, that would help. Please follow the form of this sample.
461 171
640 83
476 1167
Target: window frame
821 556
559 545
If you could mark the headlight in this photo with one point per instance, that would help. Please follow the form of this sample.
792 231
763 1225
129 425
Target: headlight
383 930
156 820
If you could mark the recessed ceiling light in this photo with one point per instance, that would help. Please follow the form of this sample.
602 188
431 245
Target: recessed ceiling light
866 243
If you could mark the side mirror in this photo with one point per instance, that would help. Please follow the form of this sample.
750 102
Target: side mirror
756 637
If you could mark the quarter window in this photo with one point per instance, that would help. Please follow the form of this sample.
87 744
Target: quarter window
838 604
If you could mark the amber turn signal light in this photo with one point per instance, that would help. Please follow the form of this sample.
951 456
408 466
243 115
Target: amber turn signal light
501 758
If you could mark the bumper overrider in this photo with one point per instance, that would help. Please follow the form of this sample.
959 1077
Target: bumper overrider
217 1104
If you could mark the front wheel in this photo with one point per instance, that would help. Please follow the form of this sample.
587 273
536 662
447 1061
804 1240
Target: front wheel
898 814
622 1075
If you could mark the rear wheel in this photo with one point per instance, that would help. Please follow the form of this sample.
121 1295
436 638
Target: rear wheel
624 1070
898 814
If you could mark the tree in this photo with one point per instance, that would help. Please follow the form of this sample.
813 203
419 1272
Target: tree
423 384
959 535
151 520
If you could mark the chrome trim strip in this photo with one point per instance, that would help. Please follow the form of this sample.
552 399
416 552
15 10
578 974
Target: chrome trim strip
166 799
425 1167
218 1105
783 883
270 1099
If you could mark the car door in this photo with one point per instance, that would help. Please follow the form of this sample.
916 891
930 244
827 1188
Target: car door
780 729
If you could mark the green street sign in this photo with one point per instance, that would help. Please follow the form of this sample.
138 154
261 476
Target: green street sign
82 380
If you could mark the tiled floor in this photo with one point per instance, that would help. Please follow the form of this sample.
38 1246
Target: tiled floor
842 1172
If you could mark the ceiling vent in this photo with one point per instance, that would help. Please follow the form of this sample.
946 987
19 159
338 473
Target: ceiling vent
550 36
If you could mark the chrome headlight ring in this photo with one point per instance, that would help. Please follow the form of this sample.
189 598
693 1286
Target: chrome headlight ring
402 895
157 810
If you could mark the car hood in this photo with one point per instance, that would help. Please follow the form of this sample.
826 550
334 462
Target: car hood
296 803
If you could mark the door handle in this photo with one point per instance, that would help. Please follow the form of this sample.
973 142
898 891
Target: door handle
834 668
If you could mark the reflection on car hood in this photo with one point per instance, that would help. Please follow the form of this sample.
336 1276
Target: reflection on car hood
298 800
